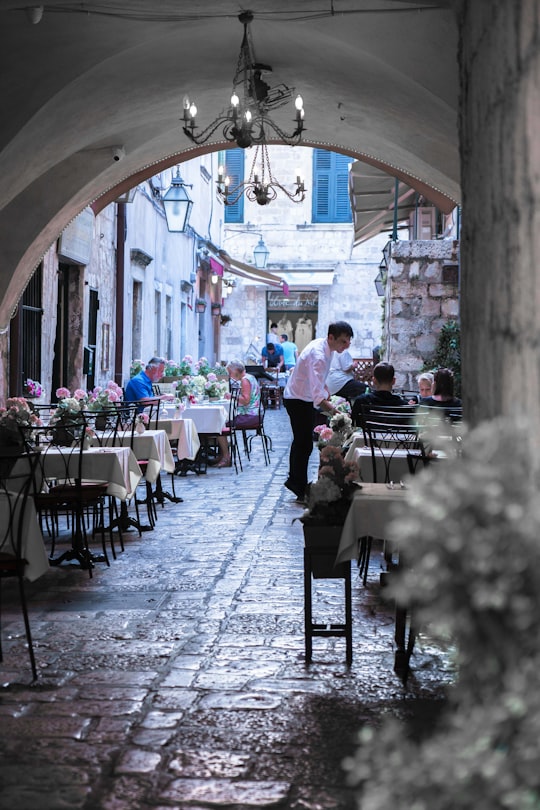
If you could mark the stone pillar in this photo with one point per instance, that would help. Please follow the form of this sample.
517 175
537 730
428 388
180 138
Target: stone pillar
500 154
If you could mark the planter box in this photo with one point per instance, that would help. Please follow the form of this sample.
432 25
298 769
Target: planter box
322 543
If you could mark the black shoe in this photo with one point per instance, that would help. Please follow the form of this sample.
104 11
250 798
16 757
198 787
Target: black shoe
294 490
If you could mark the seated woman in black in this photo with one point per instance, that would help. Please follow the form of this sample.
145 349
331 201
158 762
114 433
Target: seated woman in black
443 392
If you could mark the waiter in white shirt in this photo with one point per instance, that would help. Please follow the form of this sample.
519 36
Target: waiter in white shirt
306 390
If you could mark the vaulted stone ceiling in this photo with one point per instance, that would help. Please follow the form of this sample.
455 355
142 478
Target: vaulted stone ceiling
378 77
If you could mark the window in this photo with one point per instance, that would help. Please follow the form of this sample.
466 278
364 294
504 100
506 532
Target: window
330 187
233 161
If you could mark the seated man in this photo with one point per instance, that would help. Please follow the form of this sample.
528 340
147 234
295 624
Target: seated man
340 380
272 356
139 388
383 382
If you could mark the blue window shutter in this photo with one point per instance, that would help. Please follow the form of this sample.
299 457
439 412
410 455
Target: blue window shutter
234 168
330 201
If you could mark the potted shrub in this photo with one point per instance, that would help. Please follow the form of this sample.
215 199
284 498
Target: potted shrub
216 309
200 305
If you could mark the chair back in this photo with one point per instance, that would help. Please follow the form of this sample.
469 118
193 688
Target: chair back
389 441
101 427
17 484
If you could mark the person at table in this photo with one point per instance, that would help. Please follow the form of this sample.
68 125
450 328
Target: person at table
272 356
306 390
383 381
425 385
443 391
340 380
290 352
139 388
248 407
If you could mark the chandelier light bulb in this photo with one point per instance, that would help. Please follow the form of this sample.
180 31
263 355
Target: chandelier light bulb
214 278
193 110
186 103
235 101
299 103
248 116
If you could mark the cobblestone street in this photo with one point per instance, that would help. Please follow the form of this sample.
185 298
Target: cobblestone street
176 677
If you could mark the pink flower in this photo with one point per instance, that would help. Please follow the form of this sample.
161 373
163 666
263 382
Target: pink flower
113 396
326 433
63 393
211 377
79 394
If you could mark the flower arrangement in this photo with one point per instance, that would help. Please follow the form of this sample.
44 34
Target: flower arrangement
329 496
17 414
101 398
185 367
32 388
340 404
202 366
336 433
182 388
214 387
135 367
142 419
198 383
69 406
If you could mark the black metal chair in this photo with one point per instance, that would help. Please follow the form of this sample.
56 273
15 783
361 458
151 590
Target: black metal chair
17 483
257 430
65 492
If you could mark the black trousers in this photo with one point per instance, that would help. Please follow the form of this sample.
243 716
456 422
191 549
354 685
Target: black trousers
301 415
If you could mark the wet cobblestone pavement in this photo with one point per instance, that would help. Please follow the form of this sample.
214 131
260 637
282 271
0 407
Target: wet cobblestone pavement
176 677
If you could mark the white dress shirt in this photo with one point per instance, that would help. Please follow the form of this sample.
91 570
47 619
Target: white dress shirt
337 376
307 380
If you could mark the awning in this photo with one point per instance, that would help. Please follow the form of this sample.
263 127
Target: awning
248 271
373 192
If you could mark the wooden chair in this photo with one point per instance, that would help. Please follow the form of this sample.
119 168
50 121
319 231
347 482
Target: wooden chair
16 488
271 390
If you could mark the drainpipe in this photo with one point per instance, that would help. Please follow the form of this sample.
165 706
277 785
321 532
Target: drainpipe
120 275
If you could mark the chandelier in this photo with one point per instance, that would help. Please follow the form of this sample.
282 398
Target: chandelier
247 119
261 186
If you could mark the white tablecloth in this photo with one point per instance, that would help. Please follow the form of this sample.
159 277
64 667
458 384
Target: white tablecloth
207 418
116 465
398 466
370 513
154 447
185 433
32 547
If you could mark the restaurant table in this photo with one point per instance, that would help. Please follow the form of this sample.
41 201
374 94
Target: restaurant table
33 548
398 467
370 514
184 432
116 465
208 418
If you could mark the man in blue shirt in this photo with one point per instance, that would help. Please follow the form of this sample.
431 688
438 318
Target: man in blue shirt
290 352
272 356
139 387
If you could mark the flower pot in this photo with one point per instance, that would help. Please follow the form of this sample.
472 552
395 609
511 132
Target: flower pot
139 427
322 542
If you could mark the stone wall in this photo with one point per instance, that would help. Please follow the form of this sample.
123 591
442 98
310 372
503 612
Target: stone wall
422 294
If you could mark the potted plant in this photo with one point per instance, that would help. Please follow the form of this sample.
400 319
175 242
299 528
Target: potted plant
200 305
225 319
32 389
328 503
216 309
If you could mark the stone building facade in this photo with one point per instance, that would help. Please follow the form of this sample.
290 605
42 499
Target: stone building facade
421 295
